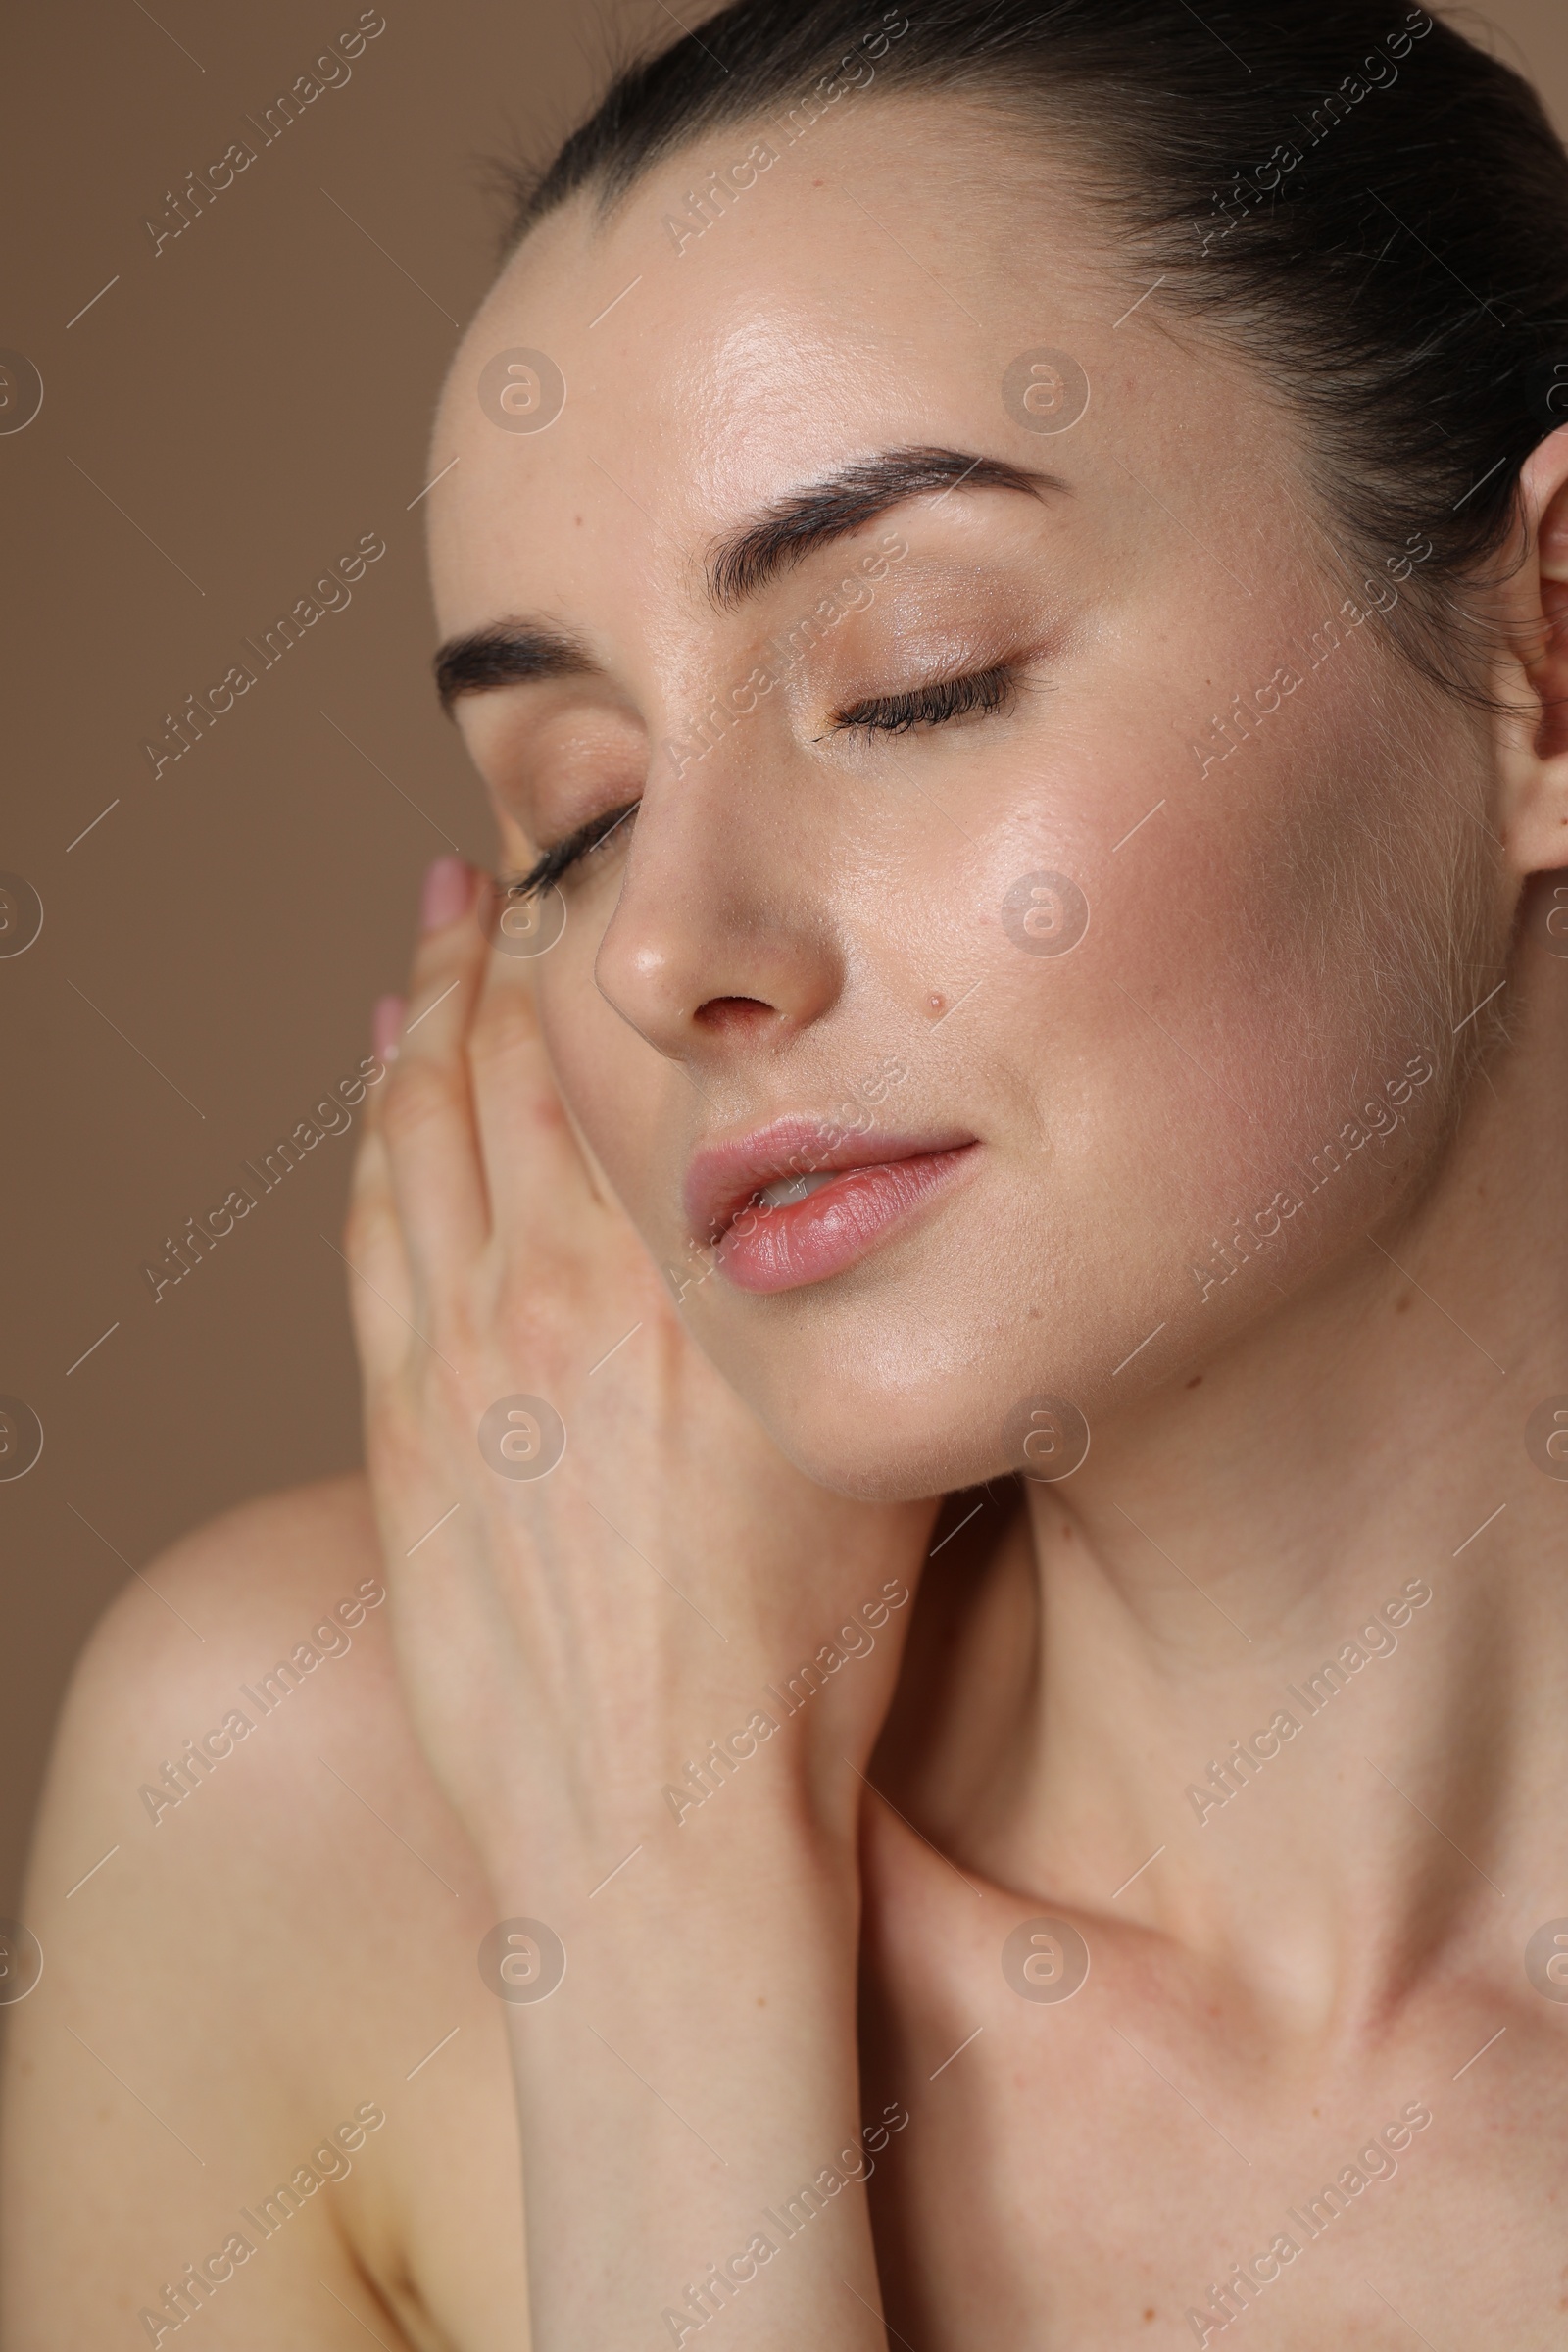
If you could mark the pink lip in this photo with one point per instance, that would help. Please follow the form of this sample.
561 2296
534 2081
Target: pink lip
878 1181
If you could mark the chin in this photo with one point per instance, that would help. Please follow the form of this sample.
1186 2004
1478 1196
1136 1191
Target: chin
873 1470
878 1444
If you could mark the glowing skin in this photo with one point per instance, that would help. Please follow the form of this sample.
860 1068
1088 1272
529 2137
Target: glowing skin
807 947
786 908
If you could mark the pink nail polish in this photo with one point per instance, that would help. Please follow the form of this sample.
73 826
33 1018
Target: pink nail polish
386 1027
448 887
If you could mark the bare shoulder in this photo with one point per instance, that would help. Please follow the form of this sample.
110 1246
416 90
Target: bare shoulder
252 1639
237 1575
256 1914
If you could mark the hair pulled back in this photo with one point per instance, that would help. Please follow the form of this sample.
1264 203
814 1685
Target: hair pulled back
1368 206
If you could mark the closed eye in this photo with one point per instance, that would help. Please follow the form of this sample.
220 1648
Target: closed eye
566 854
982 692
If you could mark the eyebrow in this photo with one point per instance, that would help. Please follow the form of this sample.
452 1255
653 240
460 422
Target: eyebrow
761 551
744 562
508 652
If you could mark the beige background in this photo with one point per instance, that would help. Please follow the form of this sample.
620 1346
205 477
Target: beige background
220 424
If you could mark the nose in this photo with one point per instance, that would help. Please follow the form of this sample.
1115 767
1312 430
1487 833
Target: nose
725 937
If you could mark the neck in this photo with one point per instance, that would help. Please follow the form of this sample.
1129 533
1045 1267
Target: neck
1298 1621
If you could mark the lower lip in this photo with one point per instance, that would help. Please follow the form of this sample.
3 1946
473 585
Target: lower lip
834 1227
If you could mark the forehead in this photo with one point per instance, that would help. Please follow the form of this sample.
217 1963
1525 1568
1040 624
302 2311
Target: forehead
753 316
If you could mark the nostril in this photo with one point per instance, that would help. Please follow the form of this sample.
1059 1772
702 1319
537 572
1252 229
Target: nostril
734 1013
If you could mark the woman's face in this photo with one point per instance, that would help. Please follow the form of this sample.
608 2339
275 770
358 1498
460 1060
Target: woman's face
1081 979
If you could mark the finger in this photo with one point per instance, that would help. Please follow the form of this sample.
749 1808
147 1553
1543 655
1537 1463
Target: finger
387 1016
426 1111
386 1028
375 1264
534 1173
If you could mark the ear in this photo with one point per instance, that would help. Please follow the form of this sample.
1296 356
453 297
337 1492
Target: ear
1533 752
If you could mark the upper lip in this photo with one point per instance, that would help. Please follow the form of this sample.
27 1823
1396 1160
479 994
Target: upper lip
723 1178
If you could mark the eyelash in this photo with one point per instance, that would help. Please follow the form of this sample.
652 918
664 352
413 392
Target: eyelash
984 692
567 854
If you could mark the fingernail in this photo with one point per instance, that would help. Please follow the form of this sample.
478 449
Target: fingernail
386 1027
448 887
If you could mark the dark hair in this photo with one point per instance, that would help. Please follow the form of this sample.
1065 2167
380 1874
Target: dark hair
1363 202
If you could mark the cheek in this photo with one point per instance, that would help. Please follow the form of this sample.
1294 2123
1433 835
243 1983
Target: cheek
1162 1068
1159 997
1255 968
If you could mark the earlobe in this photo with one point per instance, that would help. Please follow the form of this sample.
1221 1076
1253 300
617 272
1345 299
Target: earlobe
1535 756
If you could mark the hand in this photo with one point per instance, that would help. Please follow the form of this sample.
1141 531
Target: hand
570 1642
